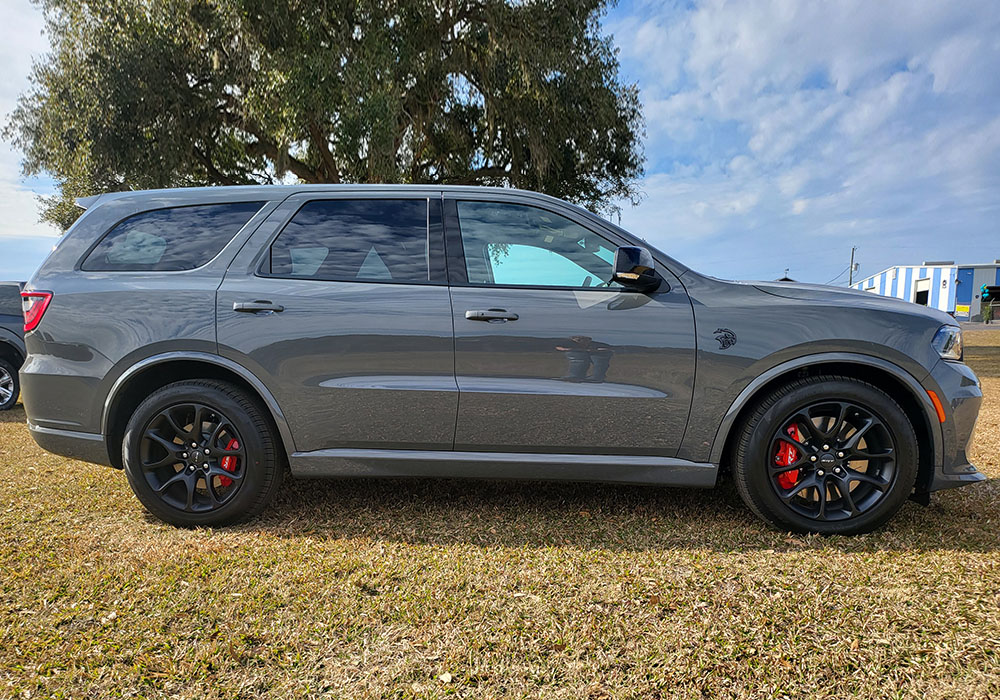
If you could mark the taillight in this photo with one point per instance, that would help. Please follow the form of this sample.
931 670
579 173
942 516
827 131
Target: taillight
33 304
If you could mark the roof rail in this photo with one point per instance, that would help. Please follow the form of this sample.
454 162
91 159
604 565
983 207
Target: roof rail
87 202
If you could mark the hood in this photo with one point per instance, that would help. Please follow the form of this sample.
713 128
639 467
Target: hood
849 297
802 290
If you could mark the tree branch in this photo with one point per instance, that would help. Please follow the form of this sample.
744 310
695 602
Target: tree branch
264 146
475 176
217 175
322 145
269 150
301 170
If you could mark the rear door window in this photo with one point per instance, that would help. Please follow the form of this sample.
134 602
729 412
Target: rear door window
169 240
356 240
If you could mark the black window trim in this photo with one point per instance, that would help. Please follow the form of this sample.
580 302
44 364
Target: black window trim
437 265
458 271
264 204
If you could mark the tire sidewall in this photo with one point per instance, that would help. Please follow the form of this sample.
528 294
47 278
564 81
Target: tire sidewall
255 469
12 401
757 457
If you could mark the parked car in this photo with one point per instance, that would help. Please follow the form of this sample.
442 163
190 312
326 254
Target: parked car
202 339
11 343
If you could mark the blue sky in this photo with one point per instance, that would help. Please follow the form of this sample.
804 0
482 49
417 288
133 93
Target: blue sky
779 134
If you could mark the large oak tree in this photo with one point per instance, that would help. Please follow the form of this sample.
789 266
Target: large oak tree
162 93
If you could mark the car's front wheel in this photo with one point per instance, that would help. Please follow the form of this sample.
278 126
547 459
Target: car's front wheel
202 452
826 454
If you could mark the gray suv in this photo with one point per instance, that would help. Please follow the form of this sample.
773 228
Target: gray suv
11 343
205 339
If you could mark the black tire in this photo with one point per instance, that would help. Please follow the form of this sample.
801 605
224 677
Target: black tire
9 381
799 491
257 468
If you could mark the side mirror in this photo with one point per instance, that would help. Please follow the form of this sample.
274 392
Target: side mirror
634 269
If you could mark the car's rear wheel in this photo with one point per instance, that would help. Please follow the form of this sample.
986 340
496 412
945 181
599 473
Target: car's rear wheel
826 454
10 385
202 452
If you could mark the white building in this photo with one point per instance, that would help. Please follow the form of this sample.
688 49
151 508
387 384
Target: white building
941 285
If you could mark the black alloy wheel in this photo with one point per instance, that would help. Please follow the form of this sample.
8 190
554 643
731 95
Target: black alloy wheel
826 454
202 452
832 460
191 456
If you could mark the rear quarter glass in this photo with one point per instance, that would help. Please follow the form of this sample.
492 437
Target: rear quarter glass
171 239
10 299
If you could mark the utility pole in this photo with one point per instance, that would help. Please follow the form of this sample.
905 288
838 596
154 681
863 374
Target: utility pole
850 274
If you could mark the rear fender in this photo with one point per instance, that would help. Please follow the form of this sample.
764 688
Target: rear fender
250 378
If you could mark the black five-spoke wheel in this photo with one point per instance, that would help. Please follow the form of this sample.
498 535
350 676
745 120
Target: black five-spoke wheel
191 456
826 454
832 460
202 452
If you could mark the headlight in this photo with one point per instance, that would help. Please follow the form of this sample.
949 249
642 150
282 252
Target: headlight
948 342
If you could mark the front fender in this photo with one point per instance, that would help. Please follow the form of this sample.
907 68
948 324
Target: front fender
750 392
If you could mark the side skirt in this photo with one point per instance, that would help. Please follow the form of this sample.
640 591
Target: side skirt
625 469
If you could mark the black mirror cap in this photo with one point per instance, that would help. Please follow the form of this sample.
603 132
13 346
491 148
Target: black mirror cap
635 270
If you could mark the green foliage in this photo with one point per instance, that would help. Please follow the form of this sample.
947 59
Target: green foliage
163 93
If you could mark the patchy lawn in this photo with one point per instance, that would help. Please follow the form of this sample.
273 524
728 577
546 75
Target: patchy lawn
411 589
983 351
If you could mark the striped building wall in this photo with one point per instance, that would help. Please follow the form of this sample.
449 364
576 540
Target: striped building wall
902 282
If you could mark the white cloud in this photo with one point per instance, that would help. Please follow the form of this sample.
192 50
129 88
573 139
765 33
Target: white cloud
817 125
779 132
21 40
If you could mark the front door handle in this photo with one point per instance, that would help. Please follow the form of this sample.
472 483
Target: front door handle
257 307
491 315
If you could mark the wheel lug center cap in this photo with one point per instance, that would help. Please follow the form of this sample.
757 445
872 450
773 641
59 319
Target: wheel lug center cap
195 457
827 459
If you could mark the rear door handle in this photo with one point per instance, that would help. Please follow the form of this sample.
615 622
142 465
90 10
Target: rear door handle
257 307
491 315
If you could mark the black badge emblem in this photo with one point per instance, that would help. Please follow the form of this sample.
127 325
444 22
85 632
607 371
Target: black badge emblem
726 338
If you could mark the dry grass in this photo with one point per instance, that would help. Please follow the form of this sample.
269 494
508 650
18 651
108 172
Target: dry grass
983 337
983 351
487 590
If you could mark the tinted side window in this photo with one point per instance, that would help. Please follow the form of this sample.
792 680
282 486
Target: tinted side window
180 238
10 299
515 244
355 239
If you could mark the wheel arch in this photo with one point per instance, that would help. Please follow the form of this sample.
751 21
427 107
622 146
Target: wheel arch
11 353
894 380
148 375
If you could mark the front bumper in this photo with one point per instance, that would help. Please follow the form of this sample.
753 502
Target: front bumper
961 395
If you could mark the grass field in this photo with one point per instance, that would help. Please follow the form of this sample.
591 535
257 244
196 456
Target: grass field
414 589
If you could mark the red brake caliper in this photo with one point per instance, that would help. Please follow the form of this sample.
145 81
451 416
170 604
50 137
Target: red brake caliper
229 463
788 455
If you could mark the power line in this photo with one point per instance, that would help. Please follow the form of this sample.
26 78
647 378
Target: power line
840 275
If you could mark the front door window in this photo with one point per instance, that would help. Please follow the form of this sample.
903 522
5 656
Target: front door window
519 245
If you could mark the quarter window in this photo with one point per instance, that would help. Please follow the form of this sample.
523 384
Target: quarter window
380 240
514 244
10 299
164 240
